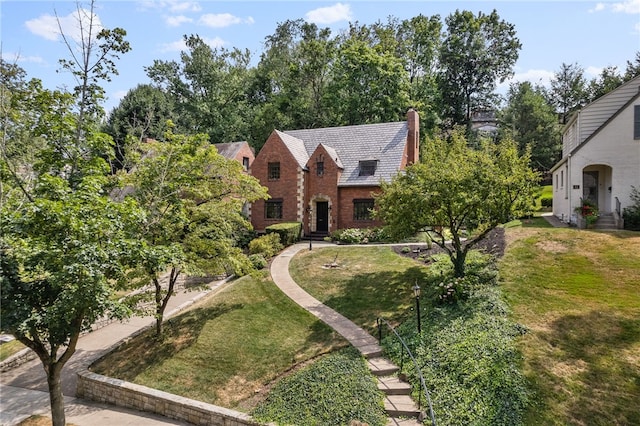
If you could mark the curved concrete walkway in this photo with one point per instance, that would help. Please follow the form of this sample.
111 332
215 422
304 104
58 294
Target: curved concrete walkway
399 405
363 341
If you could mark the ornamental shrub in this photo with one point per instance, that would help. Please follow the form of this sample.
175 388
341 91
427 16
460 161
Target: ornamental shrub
467 351
631 214
268 245
289 232
258 261
359 235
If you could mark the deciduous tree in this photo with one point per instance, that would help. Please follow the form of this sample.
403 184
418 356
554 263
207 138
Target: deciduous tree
459 190
477 53
531 122
63 244
193 198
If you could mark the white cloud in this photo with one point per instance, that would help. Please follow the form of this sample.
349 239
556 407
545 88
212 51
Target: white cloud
330 14
536 77
631 7
599 7
592 71
171 6
221 20
48 26
184 6
12 57
180 45
175 46
176 21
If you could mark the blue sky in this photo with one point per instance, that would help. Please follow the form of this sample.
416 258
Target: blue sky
591 33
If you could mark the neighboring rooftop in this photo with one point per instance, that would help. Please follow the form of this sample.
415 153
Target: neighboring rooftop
385 143
230 149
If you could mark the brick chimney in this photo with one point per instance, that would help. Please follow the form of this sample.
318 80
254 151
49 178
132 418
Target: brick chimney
413 137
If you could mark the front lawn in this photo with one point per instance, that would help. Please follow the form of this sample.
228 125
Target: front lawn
228 349
578 293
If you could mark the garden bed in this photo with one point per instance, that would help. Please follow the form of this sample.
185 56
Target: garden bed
494 243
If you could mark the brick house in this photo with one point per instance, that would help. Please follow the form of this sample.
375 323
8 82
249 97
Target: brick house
325 178
240 151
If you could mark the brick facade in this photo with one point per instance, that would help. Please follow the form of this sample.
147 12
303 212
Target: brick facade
286 188
312 183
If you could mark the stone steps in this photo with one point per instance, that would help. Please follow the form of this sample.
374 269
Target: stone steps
397 402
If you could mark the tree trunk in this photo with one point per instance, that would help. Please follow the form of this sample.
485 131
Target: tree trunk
458 263
55 394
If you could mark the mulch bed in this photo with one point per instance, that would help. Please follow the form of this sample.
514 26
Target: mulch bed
494 243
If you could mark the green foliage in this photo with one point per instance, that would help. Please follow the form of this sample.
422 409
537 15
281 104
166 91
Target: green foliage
531 121
258 261
193 199
477 52
268 245
631 214
289 232
335 390
459 190
359 235
469 357
546 202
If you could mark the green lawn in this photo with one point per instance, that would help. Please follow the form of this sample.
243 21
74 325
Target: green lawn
226 349
369 282
578 292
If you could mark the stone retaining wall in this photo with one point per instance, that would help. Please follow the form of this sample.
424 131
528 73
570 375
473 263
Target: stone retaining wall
19 358
117 392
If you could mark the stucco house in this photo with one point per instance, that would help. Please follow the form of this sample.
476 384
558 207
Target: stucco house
325 178
600 156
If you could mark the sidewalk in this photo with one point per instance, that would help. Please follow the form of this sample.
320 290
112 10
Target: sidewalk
24 391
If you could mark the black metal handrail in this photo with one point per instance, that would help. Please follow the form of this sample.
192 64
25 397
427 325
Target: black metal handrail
618 207
379 321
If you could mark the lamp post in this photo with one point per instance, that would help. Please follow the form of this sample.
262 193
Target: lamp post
416 292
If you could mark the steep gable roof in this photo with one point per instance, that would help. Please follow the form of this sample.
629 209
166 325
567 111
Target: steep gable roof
230 149
599 112
333 154
296 147
384 142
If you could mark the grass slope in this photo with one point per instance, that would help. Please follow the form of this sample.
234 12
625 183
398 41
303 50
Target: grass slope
226 349
578 292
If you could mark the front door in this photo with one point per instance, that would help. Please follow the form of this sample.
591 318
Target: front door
322 216
590 186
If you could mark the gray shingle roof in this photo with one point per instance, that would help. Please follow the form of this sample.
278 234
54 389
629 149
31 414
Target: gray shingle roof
297 148
384 142
229 149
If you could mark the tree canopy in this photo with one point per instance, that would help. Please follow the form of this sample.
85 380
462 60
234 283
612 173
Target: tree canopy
193 201
458 191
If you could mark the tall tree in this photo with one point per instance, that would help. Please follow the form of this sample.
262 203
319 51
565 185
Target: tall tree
141 114
289 83
207 88
460 190
531 122
368 86
63 243
568 92
477 53
633 68
193 199
608 80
